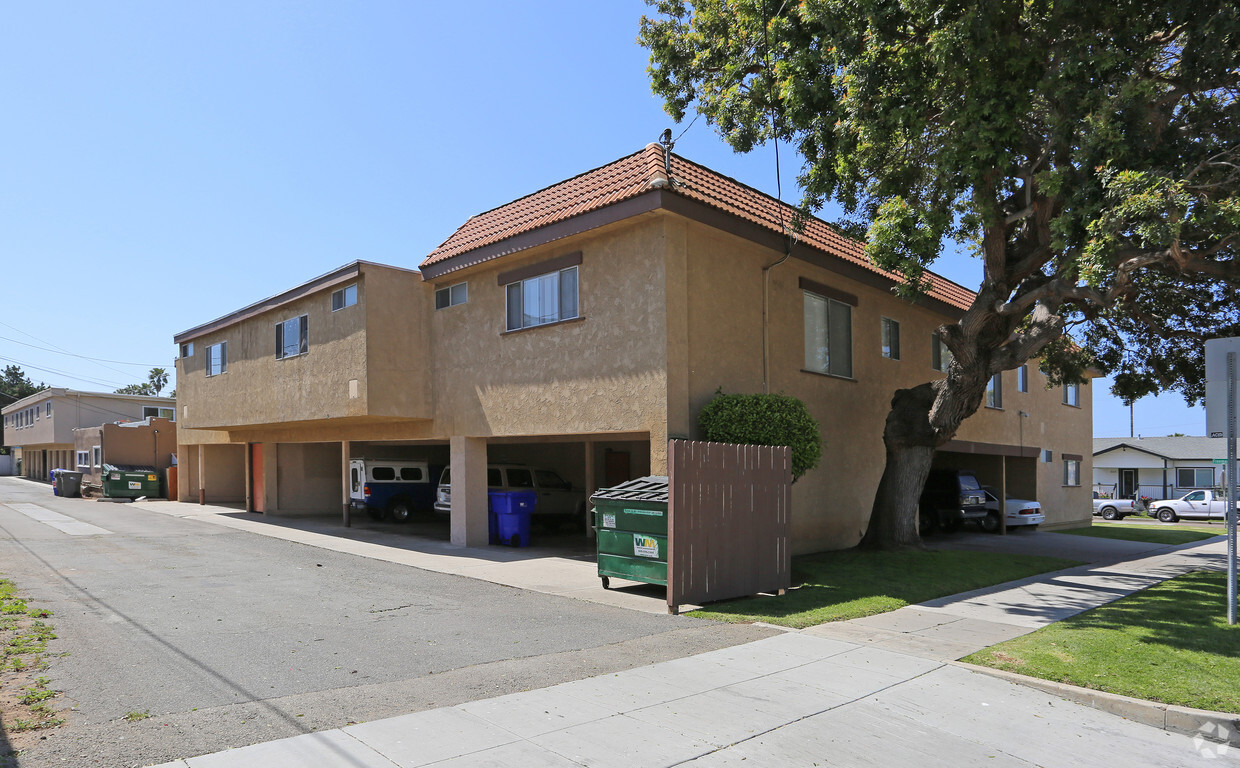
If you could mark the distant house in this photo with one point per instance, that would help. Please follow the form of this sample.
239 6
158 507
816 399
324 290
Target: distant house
41 426
147 443
1159 467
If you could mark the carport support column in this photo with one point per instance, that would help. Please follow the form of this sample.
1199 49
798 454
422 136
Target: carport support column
469 491
1003 495
344 482
202 474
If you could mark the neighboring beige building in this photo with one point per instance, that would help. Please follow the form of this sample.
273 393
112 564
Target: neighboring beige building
42 424
151 442
579 328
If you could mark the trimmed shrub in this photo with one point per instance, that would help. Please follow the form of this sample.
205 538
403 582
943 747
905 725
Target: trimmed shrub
764 420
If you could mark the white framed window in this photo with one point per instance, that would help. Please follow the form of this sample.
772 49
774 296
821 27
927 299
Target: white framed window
292 337
217 358
1072 394
891 338
345 297
49 408
1194 477
1022 378
164 413
451 295
187 349
540 300
828 335
940 355
96 456
1071 472
994 391
83 458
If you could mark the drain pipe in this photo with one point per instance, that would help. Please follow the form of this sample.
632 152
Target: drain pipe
766 340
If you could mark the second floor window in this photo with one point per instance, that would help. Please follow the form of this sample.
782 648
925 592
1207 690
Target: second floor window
345 297
891 338
1022 378
994 392
940 355
451 295
1072 394
828 335
217 358
292 337
544 299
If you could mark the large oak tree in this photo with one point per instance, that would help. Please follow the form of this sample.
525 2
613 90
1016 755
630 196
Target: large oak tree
1086 151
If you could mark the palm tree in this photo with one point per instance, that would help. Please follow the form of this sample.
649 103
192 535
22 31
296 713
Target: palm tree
158 378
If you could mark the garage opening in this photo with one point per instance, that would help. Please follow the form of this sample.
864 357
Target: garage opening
392 486
993 465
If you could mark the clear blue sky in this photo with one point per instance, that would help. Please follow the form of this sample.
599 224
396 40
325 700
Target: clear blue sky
162 164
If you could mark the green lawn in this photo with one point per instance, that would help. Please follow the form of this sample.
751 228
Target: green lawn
1148 533
846 585
1169 643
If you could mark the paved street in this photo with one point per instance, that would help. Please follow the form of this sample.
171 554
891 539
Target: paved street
229 638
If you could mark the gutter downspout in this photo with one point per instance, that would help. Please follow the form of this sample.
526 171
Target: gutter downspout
766 333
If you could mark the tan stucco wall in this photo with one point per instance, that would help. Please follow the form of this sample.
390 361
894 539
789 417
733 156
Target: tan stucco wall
603 373
309 478
722 296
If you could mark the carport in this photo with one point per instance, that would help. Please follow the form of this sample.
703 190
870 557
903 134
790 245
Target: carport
1010 469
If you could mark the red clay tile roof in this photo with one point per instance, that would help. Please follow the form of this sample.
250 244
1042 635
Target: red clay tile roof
632 176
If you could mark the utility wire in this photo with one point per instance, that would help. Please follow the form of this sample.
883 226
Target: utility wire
67 352
96 382
83 357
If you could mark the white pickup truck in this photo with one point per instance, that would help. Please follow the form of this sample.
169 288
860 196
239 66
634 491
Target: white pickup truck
1203 505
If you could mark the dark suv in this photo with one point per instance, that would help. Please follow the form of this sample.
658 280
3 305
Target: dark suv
951 497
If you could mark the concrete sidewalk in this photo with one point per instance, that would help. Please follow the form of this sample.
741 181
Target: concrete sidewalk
876 691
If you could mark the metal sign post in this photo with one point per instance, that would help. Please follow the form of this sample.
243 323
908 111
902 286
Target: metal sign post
1221 356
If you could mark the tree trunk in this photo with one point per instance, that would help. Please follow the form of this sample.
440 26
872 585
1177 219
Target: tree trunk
910 442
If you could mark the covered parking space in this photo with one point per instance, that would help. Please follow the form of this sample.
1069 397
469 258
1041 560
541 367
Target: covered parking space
1012 470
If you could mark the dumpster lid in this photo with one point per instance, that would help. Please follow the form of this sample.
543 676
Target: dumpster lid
128 468
651 488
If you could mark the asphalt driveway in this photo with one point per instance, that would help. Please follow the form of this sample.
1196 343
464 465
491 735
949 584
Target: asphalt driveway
229 638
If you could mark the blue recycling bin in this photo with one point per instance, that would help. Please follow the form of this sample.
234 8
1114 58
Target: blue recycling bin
512 511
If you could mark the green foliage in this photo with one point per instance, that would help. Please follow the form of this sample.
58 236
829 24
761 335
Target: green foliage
144 388
765 420
1089 152
158 379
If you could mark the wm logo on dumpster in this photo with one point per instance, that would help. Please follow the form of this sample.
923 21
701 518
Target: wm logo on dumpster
645 546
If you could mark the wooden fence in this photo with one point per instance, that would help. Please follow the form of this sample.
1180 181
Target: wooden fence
729 521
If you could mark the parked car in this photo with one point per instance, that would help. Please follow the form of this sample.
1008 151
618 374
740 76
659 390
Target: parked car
1197 505
556 500
390 487
950 498
1018 512
1114 509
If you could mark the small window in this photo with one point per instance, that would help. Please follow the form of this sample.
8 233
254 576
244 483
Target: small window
49 408
994 391
1071 472
1047 457
1186 477
940 355
1072 394
95 456
355 480
520 478
451 295
1022 378
383 473
345 297
83 458
411 474
217 358
540 300
292 337
37 413
548 480
828 335
891 339
187 349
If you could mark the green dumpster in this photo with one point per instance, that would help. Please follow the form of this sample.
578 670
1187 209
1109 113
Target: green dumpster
630 521
127 481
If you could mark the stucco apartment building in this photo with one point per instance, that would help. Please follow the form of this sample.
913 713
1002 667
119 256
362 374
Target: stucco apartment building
581 327
41 425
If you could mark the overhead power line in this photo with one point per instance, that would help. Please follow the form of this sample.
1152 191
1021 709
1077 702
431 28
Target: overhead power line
83 357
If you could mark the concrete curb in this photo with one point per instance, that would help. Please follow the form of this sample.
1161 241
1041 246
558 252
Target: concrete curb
1212 726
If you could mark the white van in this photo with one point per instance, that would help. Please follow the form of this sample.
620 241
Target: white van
556 498
390 487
